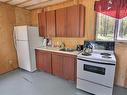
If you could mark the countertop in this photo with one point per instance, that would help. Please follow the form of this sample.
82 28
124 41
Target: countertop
55 49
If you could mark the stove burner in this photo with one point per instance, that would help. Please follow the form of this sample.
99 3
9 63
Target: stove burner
106 57
86 54
106 54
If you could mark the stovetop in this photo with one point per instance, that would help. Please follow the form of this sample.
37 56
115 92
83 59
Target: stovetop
99 56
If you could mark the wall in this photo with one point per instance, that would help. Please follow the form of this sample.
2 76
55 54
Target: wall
34 16
9 16
121 70
23 17
7 50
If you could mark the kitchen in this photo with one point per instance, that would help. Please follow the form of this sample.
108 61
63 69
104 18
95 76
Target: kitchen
57 77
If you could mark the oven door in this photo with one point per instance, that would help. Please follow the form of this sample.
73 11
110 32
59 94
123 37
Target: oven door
96 72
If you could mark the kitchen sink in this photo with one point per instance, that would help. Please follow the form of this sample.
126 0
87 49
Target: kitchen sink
67 49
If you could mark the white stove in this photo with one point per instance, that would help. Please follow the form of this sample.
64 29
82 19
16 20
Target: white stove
95 72
98 55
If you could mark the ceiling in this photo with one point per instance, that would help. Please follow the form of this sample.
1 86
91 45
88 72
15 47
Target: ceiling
32 4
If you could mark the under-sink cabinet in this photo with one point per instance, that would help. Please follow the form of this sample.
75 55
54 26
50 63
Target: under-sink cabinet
58 64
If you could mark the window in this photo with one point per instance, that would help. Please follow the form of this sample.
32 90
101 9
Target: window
122 30
107 27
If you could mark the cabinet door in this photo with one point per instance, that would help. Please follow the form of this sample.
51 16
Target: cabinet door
43 60
69 69
73 21
57 62
50 15
61 22
82 21
42 24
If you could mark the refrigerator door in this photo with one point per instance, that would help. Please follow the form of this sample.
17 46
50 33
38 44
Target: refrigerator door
23 55
21 33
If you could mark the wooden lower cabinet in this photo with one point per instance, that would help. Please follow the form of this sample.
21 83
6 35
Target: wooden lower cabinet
59 64
43 61
69 63
63 65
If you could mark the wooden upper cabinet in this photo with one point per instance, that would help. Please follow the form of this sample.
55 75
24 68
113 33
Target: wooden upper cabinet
42 24
73 21
65 22
81 21
43 60
50 17
61 22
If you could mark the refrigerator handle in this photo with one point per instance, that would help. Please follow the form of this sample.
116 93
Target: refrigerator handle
14 37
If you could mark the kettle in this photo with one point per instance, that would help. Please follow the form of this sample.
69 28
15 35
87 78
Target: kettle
88 48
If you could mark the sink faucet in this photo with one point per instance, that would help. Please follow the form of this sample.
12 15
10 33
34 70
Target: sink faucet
62 45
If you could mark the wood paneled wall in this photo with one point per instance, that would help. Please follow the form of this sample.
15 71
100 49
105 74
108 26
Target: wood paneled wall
7 50
34 16
69 42
121 69
23 17
89 19
10 16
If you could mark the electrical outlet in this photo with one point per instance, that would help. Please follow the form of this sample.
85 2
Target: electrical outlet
10 61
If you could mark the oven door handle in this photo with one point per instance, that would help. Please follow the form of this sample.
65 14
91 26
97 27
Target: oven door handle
96 62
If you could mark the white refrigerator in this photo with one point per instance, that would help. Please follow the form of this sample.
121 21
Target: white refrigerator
26 39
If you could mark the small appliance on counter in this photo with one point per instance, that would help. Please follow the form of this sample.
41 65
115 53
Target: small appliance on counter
96 71
88 48
44 44
49 42
79 47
